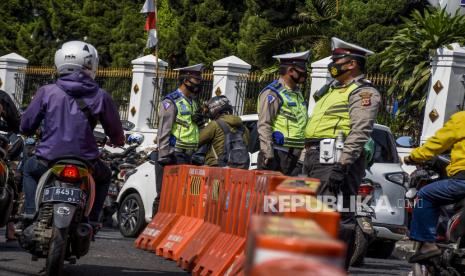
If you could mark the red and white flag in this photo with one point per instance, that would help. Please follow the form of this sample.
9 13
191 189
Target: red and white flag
150 8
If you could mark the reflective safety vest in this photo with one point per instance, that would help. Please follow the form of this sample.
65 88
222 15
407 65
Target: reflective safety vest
331 114
184 130
289 124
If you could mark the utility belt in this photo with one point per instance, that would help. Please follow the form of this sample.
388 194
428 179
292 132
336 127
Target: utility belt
330 149
293 151
185 151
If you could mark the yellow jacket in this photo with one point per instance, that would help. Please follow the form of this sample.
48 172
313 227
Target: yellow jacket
450 136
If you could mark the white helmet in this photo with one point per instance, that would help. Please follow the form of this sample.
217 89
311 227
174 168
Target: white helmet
76 55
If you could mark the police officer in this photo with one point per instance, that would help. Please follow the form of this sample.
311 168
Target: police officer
349 104
178 130
282 115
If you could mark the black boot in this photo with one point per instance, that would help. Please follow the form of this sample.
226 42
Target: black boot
155 205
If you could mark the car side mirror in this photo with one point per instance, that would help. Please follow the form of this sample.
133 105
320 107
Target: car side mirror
405 142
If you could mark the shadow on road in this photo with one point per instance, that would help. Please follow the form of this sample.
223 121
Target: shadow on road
101 270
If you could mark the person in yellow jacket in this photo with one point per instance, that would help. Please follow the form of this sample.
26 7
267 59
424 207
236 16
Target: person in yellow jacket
442 192
345 112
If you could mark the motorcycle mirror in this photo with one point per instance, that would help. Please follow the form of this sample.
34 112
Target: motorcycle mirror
127 125
405 142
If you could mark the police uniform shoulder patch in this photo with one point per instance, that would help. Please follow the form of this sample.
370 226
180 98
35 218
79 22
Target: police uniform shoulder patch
366 97
166 104
270 98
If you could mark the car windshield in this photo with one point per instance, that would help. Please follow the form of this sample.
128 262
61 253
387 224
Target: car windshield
385 147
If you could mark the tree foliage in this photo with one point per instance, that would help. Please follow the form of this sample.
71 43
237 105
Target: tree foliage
192 31
409 53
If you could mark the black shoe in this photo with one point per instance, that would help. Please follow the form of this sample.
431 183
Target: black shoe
420 257
155 206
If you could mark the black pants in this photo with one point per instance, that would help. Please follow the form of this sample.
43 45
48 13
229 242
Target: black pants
284 162
180 158
35 168
313 168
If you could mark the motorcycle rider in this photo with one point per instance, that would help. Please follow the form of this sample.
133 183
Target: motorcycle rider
442 192
219 108
178 125
282 115
68 111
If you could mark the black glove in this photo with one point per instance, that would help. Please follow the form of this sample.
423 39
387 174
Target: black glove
167 160
199 118
337 178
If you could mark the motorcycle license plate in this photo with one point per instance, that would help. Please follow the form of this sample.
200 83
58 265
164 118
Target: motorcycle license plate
58 194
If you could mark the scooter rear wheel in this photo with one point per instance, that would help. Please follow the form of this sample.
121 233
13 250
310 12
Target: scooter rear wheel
56 252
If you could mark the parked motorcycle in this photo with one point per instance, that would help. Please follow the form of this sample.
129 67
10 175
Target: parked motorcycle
121 164
11 147
451 228
364 231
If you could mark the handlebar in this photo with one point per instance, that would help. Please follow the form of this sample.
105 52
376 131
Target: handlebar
124 153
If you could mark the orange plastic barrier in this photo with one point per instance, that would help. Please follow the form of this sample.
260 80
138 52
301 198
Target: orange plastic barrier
173 179
273 238
191 208
237 268
240 200
211 228
307 206
295 267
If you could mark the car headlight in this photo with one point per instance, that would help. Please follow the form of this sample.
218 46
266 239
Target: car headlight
400 178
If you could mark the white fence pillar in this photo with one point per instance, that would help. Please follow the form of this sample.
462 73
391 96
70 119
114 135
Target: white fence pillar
9 66
225 75
446 92
320 76
142 92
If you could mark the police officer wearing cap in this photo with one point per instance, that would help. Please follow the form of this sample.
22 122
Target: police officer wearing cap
346 107
178 125
282 115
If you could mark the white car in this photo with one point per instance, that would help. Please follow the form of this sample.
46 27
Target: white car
137 195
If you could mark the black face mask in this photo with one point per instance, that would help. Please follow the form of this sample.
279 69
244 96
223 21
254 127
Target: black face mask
192 87
300 75
336 70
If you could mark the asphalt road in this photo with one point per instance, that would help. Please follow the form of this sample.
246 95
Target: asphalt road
111 254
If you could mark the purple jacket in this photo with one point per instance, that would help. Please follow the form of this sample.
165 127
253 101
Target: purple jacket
65 129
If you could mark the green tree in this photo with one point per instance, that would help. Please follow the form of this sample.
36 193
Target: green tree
408 58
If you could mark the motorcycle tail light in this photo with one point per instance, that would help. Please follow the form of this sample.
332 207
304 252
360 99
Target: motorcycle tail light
70 172
365 189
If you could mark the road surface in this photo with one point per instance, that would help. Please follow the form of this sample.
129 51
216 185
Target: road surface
113 255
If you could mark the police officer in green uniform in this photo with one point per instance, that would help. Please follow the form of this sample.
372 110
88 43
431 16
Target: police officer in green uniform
282 115
178 130
347 107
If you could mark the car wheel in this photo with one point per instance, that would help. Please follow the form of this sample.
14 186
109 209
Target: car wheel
381 249
131 216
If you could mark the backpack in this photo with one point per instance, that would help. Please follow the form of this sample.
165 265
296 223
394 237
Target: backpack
235 154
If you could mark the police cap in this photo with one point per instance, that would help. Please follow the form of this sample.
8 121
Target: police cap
294 59
341 49
193 71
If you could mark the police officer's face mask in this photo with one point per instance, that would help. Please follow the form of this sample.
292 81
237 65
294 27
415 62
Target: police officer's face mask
192 87
299 76
336 70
